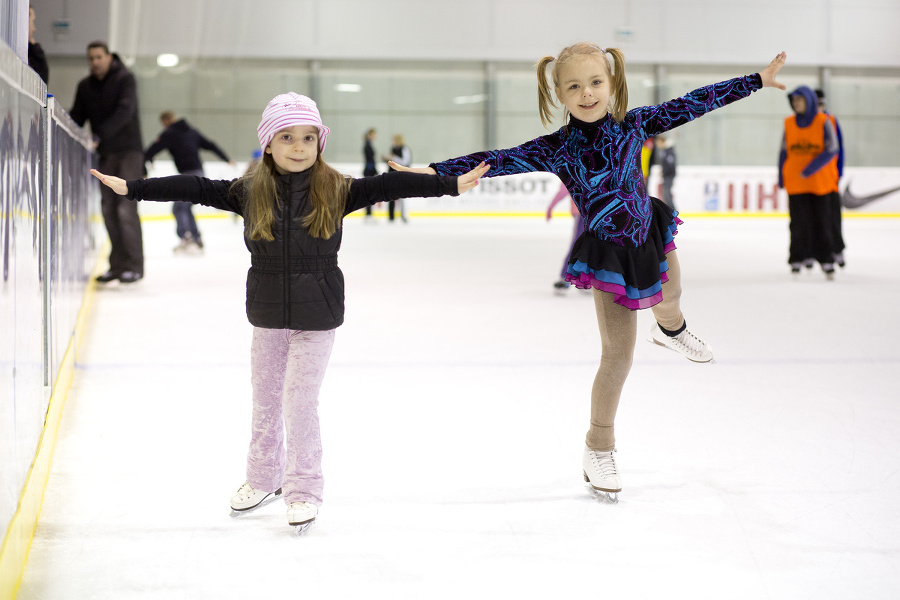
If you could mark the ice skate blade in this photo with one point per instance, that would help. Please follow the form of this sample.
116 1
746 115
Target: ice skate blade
611 496
604 496
246 511
301 528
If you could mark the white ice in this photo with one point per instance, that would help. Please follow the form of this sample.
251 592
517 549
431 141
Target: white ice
453 415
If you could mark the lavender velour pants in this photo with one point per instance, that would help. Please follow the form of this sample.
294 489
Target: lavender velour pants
287 368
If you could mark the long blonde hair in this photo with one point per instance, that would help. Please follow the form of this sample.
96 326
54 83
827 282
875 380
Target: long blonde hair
328 191
615 69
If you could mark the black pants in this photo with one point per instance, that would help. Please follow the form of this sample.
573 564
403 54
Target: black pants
369 171
811 228
837 229
120 215
391 209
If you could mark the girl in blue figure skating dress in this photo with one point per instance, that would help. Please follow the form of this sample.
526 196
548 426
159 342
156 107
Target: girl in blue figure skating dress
627 253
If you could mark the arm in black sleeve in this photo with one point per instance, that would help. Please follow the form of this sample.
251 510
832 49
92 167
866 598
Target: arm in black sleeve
395 185
207 144
198 190
79 111
154 149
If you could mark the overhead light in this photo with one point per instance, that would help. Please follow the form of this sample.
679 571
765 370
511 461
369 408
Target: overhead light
167 60
348 87
475 99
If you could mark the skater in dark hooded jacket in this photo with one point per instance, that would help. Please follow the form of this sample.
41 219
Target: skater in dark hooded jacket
293 205
184 144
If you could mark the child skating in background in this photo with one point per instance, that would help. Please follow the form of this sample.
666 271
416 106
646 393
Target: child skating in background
626 254
293 205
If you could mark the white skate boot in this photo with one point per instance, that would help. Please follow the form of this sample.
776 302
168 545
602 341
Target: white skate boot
301 516
247 499
685 343
601 473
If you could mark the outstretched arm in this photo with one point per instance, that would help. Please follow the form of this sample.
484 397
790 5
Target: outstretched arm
393 186
465 182
424 170
116 184
769 74
674 113
208 144
198 190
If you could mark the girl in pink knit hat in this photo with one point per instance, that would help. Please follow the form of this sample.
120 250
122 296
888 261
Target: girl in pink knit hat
293 205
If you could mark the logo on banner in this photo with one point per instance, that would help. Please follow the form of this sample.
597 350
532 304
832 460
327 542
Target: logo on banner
850 200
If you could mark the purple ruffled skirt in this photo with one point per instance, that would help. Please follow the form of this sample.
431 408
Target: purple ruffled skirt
633 275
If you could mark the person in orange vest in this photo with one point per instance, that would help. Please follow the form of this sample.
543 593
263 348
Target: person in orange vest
808 173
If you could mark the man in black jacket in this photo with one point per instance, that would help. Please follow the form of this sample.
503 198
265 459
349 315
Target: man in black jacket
184 144
108 99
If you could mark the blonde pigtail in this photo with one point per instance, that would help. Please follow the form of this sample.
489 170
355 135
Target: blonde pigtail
545 94
619 85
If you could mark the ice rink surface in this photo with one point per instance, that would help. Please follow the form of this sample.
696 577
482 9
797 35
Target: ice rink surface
453 418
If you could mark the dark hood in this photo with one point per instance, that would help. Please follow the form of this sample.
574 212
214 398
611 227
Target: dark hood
180 125
812 103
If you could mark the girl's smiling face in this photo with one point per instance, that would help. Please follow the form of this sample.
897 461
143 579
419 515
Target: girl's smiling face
584 87
294 149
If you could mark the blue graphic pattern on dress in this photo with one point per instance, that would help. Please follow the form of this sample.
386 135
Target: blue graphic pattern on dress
600 163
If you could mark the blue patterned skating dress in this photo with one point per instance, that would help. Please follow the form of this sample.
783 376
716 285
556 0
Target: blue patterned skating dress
627 233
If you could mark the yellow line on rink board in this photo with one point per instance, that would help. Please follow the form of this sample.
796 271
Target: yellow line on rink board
20 533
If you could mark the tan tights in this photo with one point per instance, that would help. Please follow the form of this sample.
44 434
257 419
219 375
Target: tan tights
618 332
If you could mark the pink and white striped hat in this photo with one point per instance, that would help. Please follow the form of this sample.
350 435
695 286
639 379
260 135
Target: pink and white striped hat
288 110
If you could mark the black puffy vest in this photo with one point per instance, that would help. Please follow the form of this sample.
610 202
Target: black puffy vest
294 281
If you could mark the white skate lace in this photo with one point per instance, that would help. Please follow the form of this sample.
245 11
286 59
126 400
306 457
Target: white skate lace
245 492
299 510
604 464
690 342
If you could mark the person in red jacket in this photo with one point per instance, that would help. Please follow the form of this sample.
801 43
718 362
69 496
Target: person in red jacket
808 173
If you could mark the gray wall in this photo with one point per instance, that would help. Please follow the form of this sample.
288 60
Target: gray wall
813 32
455 80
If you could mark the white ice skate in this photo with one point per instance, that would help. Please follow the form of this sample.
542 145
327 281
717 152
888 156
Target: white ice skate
601 473
301 516
188 245
685 343
247 499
